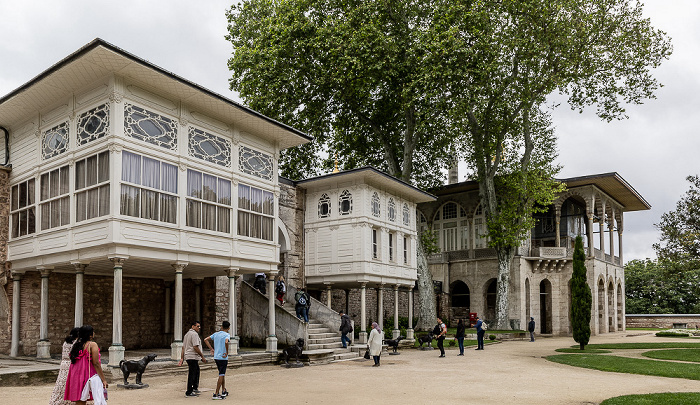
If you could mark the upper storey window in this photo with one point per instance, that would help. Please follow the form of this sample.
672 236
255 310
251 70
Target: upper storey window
324 206
345 203
256 163
22 209
55 201
208 202
208 147
93 124
92 187
480 232
406 215
452 227
256 210
376 205
149 188
54 141
150 127
392 210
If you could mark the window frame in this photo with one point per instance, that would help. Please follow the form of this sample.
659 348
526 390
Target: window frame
218 206
16 209
251 213
161 195
61 198
102 184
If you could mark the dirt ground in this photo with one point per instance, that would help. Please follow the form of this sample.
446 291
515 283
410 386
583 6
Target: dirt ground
513 372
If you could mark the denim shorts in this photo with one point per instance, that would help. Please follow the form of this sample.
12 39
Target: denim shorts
221 365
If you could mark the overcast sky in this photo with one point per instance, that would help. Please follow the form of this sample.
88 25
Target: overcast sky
654 150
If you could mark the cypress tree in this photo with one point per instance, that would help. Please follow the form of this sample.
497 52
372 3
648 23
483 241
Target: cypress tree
581 299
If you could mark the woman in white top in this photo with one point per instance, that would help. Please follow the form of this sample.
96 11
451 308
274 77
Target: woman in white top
375 343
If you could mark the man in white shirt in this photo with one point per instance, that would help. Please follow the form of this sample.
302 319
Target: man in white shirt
191 352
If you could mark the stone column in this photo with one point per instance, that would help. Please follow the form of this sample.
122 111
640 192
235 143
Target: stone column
363 313
271 341
79 281
557 221
409 331
176 346
168 318
380 306
611 236
329 295
590 234
14 346
396 332
601 230
116 351
232 314
198 298
43 346
619 244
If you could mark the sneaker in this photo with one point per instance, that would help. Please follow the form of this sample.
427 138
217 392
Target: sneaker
191 394
442 355
196 391
217 396
224 394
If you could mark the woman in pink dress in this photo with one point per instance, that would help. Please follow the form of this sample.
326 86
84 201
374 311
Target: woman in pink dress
85 362
60 387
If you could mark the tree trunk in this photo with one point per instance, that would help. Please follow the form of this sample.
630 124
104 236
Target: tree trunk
583 346
505 258
427 313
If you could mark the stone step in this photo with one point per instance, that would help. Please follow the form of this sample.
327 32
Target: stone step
325 346
319 330
346 356
325 340
323 335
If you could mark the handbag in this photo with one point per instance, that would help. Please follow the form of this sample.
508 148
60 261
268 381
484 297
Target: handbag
367 354
94 385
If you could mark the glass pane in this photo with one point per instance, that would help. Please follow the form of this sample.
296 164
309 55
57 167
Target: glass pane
255 226
151 173
15 197
169 181
194 213
130 201
53 179
79 174
63 188
45 216
209 188
149 204
31 220
243 223
93 203
131 167
65 210
168 208
255 199
194 183
91 171
30 192
104 200
103 168
269 203
55 213
22 194
224 219
209 217
267 226
44 187
80 206
22 223
243 197
224 192
15 225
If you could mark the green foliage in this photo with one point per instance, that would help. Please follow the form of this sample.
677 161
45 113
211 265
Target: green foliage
661 345
661 287
680 230
581 299
584 351
628 365
675 354
672 334
492 337
429 239
666 398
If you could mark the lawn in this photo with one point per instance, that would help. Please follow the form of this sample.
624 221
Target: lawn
587 350
674 354
467 343
631 366
660 345
667 398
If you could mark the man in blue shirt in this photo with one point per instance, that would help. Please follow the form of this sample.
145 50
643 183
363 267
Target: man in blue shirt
220 340
479 334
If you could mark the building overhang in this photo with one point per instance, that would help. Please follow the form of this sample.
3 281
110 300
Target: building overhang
100 59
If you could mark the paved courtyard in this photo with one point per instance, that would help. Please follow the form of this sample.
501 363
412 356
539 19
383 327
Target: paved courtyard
508 373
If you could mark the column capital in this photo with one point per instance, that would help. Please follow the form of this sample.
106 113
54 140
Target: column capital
363 284
272 274
396 287
231 272
17 275
198 281
118 261
44 271
80 266
179 266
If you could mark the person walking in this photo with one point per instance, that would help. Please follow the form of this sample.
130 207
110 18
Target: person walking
345 328
220 341
441 336
191 352
375 343
281 289
531 329
460 337
59 390
85 362
479 334
302 305
259 283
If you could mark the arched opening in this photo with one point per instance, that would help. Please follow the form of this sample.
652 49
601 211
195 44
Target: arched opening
620 313
545 306
490 300
601 306
528 311
611 309
459 294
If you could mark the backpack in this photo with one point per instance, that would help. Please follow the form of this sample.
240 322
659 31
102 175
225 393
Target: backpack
436 330
280 288
484 326
302 300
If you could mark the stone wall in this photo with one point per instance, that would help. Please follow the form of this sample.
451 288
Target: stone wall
692 321
5 309
291 213
338 303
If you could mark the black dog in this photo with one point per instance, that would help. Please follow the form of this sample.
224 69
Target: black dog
425 339
293 351
394 342
138 367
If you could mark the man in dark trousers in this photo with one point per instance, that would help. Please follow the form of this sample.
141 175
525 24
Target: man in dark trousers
441 337
479 334
531 329
191 353
345 328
